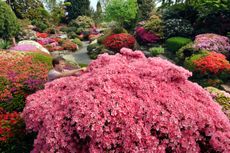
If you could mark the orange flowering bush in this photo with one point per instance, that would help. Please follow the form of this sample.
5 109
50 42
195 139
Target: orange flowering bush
21 73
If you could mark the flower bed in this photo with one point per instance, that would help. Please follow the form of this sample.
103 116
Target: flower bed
212 42
21 73
127 103
116 41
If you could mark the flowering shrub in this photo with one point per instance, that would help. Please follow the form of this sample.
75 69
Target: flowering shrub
177 27
7 122
145 36
221 97
116 41
127 103
212 42
69 45
213 63
21 73
185 51
25 47
42 35
45 41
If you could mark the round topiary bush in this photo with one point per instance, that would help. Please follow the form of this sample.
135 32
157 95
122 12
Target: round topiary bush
21 74
116 41
177 27
173 44
127 103
8 22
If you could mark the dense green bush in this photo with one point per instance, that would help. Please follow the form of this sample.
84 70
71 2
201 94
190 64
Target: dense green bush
4 44
184 52
78 42
95 49
180 11
155 25
82 23
156 51
8 22
31 9
177 27
175 43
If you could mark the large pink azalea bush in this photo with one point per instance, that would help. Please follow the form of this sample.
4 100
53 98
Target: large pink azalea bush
127 103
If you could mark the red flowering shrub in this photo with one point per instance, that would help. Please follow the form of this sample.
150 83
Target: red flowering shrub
21 73
42 35
115 42
127 103
145 36
7 122
69 45
212 63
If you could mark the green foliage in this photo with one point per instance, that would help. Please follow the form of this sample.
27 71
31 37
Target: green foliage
121 11
156 51
177 27
144 8
184 52
76 8
175 43
41 26
82 22
4 44
78 42
181 11
155 25
16 104
8 22
31 9
57 14
94 50
41 58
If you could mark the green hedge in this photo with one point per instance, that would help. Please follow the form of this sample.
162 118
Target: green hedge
173 44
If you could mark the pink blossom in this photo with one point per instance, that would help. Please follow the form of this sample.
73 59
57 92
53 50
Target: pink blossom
127 103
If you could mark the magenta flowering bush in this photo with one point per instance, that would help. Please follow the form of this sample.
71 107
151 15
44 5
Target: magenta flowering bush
212 42
127 103
145 36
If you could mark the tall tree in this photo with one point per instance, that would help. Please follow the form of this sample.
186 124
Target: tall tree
144 8
121 11
77 8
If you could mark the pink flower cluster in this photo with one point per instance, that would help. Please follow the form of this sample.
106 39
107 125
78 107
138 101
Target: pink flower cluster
212 42
127 103
25 47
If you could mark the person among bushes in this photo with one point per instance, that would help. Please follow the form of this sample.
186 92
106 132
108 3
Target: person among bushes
59 70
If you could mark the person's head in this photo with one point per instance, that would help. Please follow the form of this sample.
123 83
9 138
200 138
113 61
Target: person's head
58 63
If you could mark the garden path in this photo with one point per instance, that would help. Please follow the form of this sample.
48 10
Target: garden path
81 56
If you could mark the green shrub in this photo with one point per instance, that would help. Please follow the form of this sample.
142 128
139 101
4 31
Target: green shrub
94 50
184 52
41 26
154 24
82 23
8 22
175 43
177 27
156 51
78 42
72 35
4 44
